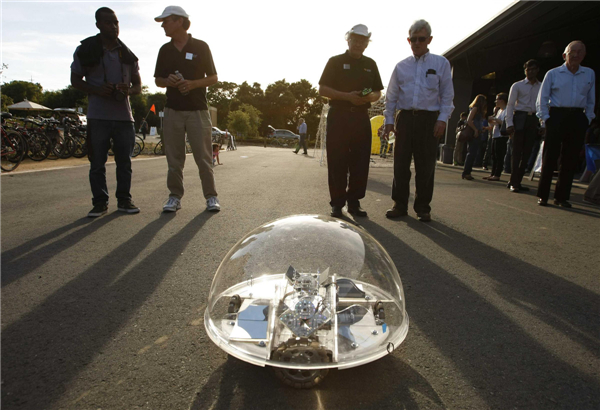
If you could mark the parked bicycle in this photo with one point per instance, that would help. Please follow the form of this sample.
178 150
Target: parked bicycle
13 147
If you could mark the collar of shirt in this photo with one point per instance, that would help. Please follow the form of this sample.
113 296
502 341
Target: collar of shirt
564 69
536 81
424 57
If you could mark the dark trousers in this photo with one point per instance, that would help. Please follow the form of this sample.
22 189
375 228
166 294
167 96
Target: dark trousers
499 152
522 143
414 138
302 144
471 155
348 155
508 157
100 133
565 132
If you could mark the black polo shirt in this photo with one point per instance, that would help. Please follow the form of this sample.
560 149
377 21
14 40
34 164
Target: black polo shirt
344 73
194 62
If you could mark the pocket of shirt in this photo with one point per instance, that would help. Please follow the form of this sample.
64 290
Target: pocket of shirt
586 88
432 82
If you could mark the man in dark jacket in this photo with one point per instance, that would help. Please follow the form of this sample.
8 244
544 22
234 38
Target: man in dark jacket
111 75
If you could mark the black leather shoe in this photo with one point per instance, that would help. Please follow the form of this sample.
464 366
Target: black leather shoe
424 217
336 212
515 189
509 186
356 210
395 213
542 202
564 204
523 189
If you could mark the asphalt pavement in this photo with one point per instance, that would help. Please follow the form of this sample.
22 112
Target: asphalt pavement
107 313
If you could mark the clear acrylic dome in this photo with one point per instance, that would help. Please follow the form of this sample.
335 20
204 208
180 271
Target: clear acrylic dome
307 291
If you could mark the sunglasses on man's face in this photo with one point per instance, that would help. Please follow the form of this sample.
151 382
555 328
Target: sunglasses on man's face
419 39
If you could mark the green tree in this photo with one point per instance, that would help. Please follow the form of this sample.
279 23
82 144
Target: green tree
239 122
138 104
220 95
20 90
69 97
253 118
6 101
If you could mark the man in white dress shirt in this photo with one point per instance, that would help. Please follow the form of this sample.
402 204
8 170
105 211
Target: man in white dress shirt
421 90
565 106
522 123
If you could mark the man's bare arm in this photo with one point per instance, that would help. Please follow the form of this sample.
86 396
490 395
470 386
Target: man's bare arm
78 82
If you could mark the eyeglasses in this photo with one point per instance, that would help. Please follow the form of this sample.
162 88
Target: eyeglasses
419 39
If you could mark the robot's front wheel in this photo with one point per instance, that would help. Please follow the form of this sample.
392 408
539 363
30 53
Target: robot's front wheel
301 379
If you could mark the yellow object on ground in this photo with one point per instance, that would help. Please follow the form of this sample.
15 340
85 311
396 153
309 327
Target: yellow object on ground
376 122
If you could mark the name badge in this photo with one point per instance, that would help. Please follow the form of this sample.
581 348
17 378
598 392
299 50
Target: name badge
346 66
188 56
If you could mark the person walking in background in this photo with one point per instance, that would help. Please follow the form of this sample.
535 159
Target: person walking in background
499 140
302 142
144 128
522 122
111 74
487 156
459 146
421 90
565 107
185 68
351 81
483 139
478 110
383 142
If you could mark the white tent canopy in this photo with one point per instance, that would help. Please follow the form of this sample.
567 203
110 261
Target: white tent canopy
28 106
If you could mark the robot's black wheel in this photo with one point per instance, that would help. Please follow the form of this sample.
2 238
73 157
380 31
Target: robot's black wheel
301 379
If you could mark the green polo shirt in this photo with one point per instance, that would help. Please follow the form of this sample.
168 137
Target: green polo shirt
194 62
344 73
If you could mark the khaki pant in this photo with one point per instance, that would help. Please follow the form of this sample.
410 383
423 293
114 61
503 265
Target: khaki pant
198 127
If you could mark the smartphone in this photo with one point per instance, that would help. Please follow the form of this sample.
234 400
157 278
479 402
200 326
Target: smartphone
366 91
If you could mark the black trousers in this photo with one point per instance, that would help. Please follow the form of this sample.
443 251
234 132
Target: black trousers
523 140
348 155
499 152
565 132
414 138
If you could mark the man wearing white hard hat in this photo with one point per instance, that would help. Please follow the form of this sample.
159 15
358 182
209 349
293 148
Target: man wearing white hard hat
351 81
185 68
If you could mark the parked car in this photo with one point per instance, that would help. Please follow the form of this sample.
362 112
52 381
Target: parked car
280 133
73 113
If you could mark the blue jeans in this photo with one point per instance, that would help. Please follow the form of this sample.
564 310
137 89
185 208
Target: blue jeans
471 155
100 132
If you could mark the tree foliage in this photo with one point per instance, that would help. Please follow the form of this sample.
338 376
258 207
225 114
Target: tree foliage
21 90
6 101
69 97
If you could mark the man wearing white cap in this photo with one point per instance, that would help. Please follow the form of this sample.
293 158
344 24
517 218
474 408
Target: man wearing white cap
185 67
421 90
351 81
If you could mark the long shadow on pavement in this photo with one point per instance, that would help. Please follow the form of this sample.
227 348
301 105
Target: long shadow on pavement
18 262
508 366
388 383
45 349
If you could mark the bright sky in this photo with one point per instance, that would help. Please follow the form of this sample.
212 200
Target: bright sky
255 41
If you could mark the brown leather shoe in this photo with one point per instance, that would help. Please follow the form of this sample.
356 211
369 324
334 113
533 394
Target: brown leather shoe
424 217
356 210
395 213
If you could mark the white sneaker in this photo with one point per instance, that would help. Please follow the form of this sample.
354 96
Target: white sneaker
212 204
172 204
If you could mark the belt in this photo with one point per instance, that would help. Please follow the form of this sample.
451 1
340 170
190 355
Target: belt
525 112
417 112
350 109
567 109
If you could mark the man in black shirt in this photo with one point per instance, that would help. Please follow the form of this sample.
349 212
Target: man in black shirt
352 82
185 67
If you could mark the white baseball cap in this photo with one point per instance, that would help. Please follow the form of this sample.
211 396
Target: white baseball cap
172 11
361 30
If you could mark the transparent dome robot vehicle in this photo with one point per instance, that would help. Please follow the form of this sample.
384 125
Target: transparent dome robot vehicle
305 294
